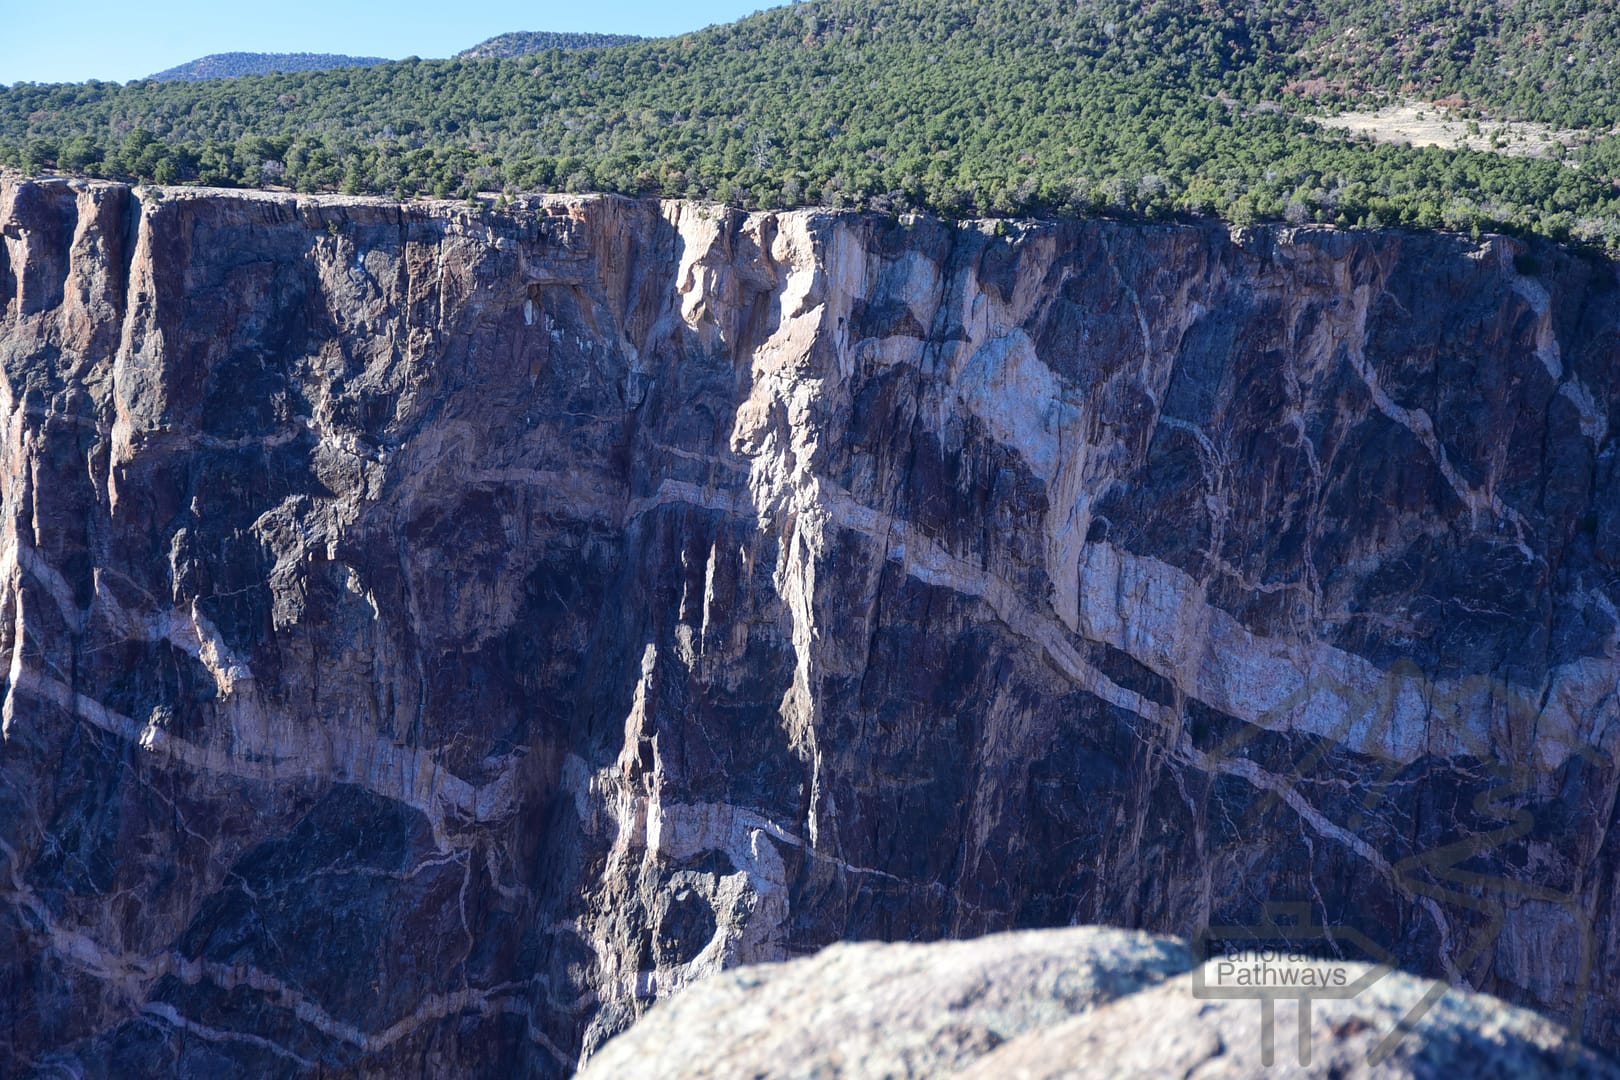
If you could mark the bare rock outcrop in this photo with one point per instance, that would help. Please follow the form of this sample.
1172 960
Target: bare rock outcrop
1399 1028
1078 1004
431 635
871 1010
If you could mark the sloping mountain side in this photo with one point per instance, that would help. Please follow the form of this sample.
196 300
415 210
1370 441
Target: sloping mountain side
233 65
964 108
433 634
527 42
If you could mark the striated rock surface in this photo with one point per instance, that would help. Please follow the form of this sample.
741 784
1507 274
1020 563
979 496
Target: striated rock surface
431 636
1067 1005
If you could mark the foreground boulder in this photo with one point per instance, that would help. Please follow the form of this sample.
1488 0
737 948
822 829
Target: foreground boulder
888 1010
1084 1002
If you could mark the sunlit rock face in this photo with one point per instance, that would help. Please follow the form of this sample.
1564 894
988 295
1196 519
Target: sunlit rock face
1079 1002
431 635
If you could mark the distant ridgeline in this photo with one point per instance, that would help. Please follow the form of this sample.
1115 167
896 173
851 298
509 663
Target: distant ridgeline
232 64
962 107
524 42
235 64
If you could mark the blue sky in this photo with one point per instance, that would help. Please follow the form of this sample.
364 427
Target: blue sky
55 41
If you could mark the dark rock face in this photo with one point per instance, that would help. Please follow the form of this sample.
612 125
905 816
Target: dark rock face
431 636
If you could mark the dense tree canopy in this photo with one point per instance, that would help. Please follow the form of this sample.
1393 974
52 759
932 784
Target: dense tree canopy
232 65
524 42
1150 107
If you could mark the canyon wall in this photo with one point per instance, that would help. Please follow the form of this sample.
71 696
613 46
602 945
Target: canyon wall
433 634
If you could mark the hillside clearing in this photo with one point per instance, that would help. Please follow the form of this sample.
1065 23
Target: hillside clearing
1419 123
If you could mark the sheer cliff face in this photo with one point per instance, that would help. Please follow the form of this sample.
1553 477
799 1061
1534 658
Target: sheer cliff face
432 635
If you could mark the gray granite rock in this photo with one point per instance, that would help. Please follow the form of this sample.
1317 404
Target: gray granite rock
1399 1027
873 1010
1079 1004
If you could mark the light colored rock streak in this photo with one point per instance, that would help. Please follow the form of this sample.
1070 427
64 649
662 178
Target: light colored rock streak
405 774
1157 615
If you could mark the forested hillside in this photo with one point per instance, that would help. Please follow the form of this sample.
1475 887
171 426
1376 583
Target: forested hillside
524 42
962 107
235 64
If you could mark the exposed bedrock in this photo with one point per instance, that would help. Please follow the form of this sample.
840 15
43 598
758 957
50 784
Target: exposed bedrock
432 635
1077 1004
